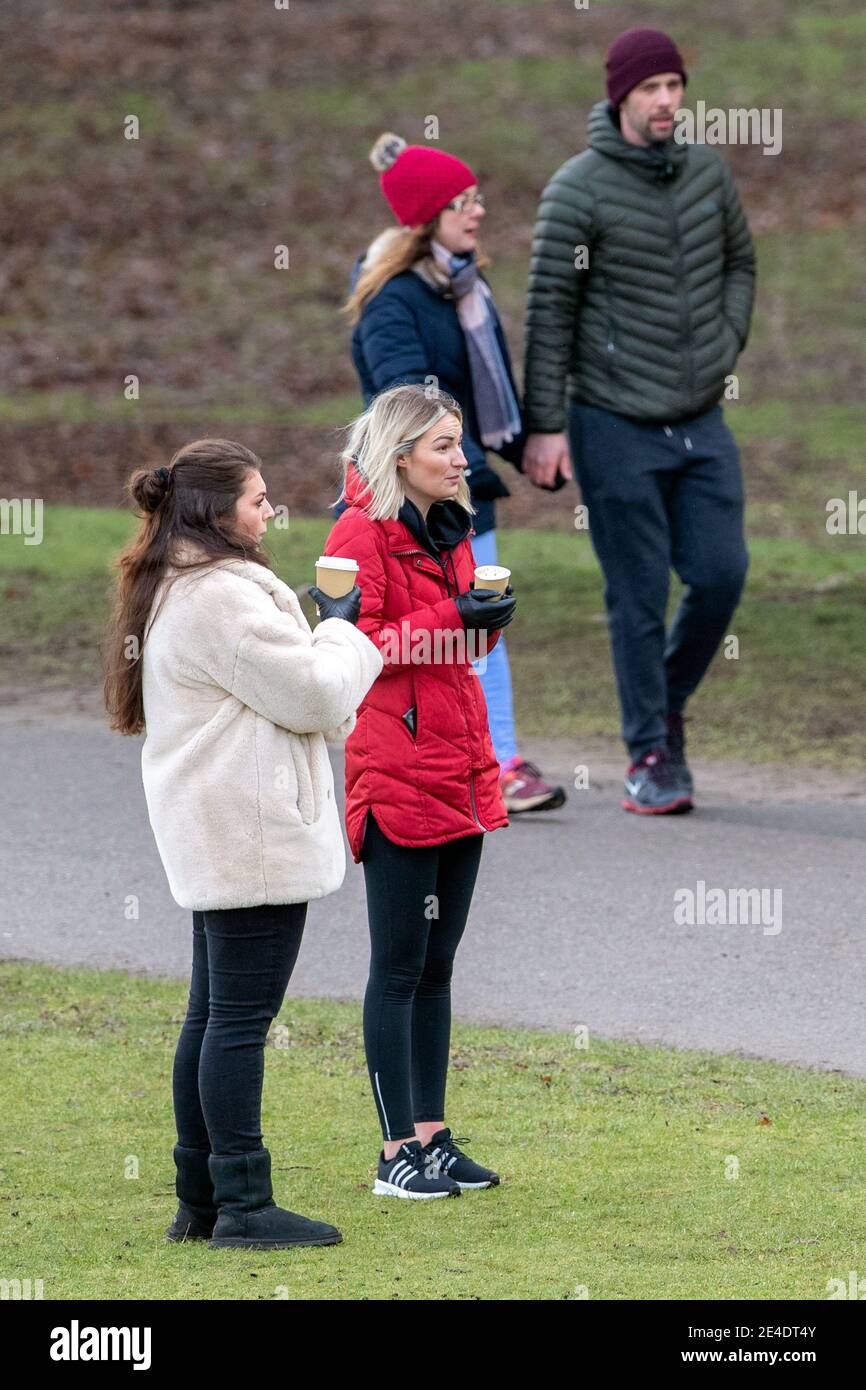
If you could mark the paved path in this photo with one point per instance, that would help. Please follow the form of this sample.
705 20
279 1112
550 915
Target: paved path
572 922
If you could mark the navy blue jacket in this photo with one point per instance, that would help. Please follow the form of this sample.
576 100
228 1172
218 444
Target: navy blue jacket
408 333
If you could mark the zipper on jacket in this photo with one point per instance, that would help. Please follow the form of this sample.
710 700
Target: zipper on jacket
443 566
420 551
610 364
450 556
682 294
472 798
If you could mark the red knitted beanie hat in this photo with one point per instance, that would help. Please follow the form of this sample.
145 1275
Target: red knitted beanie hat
418 181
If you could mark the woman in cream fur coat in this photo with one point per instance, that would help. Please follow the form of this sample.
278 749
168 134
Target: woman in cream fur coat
210 655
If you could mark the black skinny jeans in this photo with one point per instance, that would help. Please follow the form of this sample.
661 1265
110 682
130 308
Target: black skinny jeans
417 905
242 960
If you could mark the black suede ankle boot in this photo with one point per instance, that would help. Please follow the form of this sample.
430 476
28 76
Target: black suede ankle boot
197 1211
249 1219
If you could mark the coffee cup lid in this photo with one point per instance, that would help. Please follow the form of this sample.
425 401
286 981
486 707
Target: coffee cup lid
337 562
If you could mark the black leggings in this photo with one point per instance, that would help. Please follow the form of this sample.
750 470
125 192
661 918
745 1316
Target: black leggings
417 905
242 960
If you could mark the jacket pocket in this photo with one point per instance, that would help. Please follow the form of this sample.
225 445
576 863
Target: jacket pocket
303 760
410 719
611 350
731 348
602 354
411 716
277 779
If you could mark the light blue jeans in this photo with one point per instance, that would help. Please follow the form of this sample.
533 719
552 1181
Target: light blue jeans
496 676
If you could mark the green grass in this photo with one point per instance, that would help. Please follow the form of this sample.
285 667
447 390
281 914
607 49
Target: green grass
246 408
613 1158
795 691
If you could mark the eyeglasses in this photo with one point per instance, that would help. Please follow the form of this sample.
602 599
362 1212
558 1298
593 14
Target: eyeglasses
466 202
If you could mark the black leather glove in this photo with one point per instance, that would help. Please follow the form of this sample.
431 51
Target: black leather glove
480 608
348 607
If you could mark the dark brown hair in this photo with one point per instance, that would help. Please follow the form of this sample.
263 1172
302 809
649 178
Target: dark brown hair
191 501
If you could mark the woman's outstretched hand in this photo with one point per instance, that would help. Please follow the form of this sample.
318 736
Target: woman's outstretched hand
481 608
347 607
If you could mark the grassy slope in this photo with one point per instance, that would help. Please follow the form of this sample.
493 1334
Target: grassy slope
173 260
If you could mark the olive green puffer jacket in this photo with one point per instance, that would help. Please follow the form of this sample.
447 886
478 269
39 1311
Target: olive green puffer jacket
654 322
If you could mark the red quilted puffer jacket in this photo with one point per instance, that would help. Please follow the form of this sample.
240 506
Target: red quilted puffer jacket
430 776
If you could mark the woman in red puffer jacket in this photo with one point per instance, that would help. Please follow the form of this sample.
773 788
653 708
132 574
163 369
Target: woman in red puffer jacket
422 779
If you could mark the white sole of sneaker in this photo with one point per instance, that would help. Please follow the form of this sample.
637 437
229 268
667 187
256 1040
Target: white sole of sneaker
670 808
390 1189
534 803
477 1184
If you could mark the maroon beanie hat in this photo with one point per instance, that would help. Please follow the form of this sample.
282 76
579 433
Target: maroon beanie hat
417 180
636 55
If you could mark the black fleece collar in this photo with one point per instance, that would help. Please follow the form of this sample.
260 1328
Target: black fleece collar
446 525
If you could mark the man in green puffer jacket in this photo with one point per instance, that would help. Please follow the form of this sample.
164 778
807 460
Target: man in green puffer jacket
640 297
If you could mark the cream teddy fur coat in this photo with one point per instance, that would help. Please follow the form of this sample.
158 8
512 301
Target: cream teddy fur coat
240 696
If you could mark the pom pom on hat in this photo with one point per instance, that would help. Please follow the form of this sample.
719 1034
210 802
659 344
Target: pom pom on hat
386 150
417 180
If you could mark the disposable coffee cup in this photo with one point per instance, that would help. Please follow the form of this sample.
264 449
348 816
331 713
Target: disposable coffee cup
335 576
492 577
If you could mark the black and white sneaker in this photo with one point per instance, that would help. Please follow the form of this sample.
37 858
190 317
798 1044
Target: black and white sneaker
413 1172
458 1165
654 788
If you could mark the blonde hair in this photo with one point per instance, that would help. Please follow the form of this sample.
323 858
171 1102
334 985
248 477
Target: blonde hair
391 425
402 247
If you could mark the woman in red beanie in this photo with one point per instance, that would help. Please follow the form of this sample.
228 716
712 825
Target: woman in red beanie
423 312
422 779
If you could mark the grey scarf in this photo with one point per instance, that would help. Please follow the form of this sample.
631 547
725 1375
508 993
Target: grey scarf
495 403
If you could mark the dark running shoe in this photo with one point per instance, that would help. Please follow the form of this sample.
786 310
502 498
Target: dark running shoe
652 787
677 753
524 789
458 1165
413 1172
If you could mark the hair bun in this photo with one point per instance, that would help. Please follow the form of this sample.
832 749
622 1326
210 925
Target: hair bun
149 486
385 151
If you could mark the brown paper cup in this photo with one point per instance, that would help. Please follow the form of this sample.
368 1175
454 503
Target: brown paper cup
492 577
335 576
